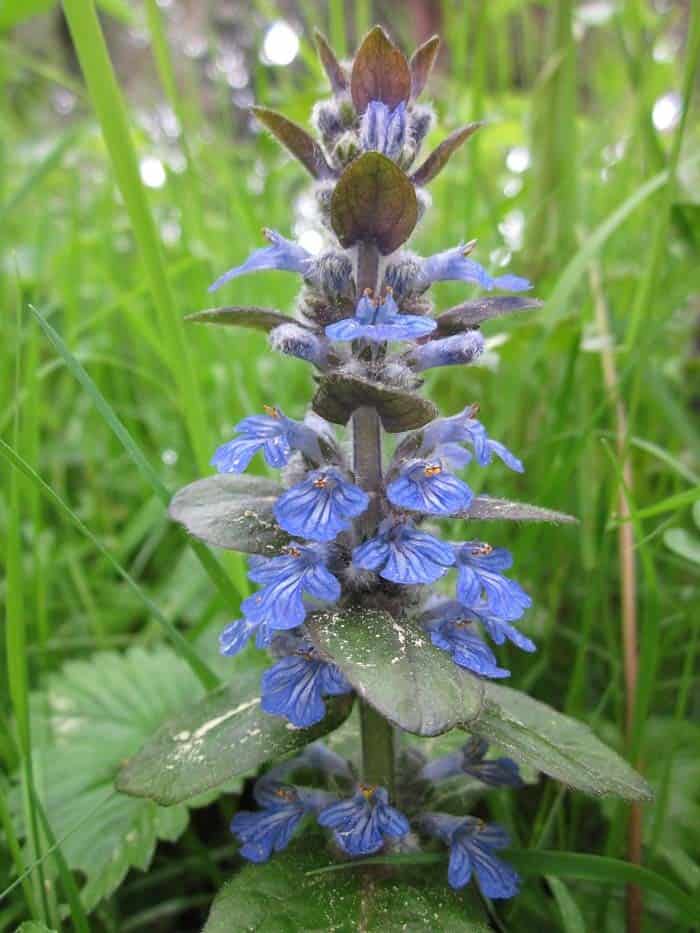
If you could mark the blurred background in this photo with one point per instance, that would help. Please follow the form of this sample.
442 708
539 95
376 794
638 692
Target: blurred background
586 181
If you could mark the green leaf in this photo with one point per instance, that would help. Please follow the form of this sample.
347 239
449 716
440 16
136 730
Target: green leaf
604 870
265 319
393 666
379 72
537 735
471 313
489 508
223 736
374 201
682 543
30 927
540 862
421 64
338 395
231 511
92 716
441 155
12 14
296 140
334 70
403 899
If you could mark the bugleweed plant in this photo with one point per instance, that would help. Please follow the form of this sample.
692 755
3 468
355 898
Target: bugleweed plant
362 601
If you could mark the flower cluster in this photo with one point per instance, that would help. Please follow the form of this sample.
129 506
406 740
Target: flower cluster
365 323
363 822
328 548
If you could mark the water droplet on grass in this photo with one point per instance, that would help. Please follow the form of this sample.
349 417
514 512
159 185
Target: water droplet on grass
667 112
152 172
280 45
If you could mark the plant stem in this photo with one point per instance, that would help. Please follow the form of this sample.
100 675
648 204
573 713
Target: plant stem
378 737
378 748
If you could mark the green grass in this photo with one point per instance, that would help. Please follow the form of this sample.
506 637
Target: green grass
108 402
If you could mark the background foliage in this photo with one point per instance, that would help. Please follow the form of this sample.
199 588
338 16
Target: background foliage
108 401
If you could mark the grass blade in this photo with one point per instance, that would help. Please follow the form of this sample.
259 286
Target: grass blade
109 106
559 865
206 676
70 889
145 468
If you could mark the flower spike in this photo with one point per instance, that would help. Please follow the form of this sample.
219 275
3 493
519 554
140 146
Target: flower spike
347 551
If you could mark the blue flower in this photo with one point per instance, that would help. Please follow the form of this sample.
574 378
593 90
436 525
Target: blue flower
450 351
294 687
464 428
454 265
273 433
402 554
237 633
471 760
500 630
281 254
285 580
384 130
271 828
480 585
451 630
472 843
362 823
321 506
380 322
424 486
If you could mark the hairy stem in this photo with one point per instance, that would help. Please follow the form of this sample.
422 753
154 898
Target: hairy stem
378 737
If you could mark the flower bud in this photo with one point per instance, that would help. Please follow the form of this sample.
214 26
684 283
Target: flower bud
326 119
420 124
300 342
450 351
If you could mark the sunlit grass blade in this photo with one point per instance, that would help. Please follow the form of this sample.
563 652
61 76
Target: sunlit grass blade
16 627
38 173
109 106
571 917
652 266
15 850
78 917
24 875
208 561
559 302
168 80
671 504
206 676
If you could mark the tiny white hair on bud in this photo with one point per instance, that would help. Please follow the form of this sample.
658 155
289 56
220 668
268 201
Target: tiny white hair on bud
358 578
294 471
295 340
282 336
399 375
